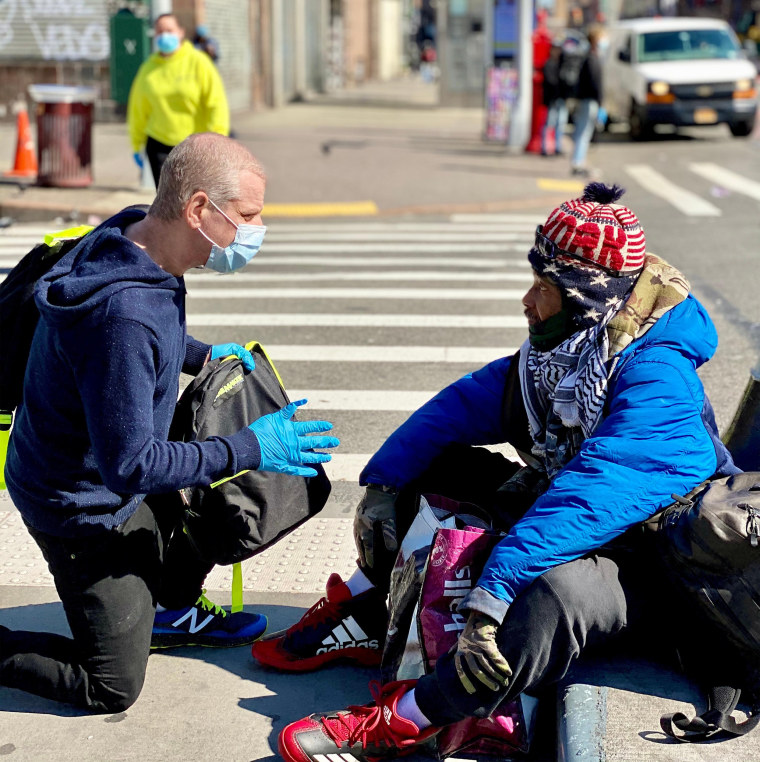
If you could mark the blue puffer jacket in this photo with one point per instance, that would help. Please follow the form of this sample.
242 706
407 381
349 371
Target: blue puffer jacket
658 437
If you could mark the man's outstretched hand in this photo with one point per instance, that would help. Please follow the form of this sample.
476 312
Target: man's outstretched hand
286 445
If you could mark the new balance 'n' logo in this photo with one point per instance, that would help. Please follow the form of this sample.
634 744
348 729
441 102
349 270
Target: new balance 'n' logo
192 614
347 634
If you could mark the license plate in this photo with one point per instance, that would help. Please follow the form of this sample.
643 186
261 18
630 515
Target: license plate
705 116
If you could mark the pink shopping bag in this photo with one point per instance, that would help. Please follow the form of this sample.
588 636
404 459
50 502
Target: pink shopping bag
454 564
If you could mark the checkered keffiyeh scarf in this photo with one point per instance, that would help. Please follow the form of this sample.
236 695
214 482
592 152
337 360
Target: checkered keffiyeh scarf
565 388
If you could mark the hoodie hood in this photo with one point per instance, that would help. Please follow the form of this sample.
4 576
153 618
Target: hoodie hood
687 328
101 265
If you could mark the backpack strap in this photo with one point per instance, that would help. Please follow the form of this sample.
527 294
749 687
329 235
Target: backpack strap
6 421
237 588
53 239
722 701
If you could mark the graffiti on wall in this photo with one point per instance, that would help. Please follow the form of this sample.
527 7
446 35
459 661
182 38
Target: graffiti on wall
54 30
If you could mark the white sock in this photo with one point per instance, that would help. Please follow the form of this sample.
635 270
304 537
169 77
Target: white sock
408 709
358 583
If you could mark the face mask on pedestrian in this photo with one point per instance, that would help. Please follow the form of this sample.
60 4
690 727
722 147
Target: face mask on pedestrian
248 240
167 42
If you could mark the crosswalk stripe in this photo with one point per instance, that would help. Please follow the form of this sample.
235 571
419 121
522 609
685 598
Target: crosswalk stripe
685 201
30 229
727 179
350 320
392 248
441 235
437 294
26 237
346 467
264 261
519 223
361 399
396 275
534 219
401 353
253 276
461 262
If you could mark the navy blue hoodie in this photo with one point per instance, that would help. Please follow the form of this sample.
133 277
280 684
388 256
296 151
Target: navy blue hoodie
89 441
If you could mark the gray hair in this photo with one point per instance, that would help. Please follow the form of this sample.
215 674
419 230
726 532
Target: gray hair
205 162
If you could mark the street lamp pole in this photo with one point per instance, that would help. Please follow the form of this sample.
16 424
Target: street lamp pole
519 130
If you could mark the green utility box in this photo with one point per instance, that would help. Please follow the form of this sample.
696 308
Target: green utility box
130 46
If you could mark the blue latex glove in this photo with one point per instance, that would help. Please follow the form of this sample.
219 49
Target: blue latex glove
224 350
138 159
284 444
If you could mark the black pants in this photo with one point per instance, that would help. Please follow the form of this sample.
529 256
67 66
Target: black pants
109 584
156 153
574 609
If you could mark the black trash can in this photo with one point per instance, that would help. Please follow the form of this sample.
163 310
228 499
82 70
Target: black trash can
64 134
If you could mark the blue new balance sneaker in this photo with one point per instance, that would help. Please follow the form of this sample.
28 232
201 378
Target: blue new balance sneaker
206 624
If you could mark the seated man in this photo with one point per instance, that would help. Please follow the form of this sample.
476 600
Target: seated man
604 401
89 446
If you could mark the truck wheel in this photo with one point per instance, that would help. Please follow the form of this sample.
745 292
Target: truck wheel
641 129
742 129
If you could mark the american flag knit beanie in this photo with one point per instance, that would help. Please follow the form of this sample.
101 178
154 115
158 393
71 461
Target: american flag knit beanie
594 250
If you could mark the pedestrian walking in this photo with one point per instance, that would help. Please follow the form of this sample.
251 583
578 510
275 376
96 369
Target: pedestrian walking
589 98
176 92
205 42
89 457
554 98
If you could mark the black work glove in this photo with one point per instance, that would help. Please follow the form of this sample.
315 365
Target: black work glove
375 523
478 652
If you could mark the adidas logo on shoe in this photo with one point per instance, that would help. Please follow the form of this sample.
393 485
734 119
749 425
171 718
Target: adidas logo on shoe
348 634
330 631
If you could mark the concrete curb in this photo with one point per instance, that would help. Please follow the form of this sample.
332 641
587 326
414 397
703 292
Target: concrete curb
581 723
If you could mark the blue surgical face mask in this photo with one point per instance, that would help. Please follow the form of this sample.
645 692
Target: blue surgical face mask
248 240
167 42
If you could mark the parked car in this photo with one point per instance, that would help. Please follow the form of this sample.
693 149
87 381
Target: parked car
680 71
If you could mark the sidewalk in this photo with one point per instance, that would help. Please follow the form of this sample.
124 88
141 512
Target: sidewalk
383 145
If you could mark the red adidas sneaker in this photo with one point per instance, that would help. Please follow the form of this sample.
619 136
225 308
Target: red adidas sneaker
337 627
370 732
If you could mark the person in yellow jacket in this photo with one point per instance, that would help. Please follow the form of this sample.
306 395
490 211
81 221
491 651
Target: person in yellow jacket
176 92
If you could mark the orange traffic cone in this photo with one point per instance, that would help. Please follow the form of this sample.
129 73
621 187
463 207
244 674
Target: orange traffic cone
26 161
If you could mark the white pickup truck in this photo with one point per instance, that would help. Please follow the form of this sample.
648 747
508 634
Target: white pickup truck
679 71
